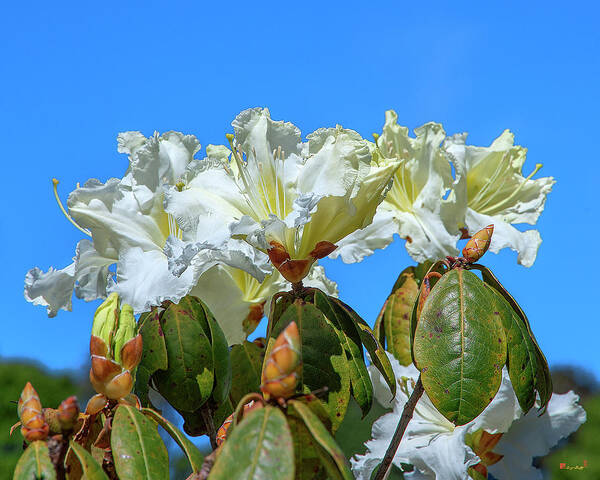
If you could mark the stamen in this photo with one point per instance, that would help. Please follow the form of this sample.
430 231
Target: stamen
55 182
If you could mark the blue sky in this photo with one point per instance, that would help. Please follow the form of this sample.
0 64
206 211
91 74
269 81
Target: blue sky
76 74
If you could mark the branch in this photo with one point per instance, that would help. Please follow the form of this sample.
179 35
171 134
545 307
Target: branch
209 461
407 414
210 425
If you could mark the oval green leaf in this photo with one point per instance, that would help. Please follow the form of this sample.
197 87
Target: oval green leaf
324 361
137 448
396 319
191 452
260 447
376 351
362 388
460 346
188 381
154 353
90 468
543 379
221 359
333 453
35 463
246 365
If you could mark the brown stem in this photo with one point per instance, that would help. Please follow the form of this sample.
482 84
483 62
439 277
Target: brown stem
57 450
210 425
407 414
297 288
209 461
108 465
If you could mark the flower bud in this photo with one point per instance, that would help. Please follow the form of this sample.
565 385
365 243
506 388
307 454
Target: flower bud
106 320
125 331
478 245
29 407
115 349
68 413
280 374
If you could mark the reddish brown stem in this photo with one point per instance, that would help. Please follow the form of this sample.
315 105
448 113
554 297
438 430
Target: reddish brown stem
407 414
297 288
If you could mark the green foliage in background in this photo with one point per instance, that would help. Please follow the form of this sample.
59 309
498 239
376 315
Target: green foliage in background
584 445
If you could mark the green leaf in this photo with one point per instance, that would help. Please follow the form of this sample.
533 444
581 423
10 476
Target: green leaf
308 465
221 360
188 381
191 452
324 361
154 353
246 364
396 319
348 336
333 453
35 463
543 379
137 448
460 346
522 359
376 351
260 447
90 468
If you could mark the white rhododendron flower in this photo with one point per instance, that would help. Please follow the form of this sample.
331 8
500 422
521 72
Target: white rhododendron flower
291 199
497 193
239 301
129 227
421 206
438 449
432 209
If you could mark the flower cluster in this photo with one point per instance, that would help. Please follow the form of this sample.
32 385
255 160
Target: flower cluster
432 209
174 225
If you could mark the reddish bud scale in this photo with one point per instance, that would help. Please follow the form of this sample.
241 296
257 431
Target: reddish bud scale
109 378
482 443
29 407
295 270
280 374
68 413
223 429
478 245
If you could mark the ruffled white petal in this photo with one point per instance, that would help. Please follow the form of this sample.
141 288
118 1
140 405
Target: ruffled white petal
363 242
116 218
158 160
52 289
446 456
533 436
92 272
144 280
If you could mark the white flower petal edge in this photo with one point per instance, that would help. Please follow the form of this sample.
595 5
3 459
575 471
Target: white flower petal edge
496 192
533 436
52 289
89 275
